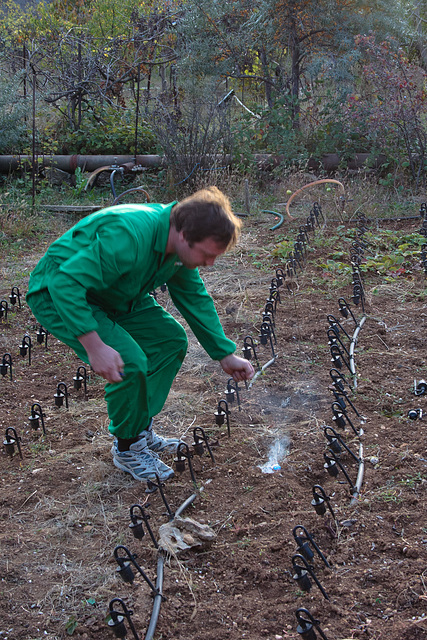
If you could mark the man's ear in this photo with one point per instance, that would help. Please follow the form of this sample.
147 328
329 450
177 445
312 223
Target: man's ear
183 237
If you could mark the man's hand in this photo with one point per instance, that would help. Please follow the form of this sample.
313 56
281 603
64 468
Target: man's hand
238 368
104 360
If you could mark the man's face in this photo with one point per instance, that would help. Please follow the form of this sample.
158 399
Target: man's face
199 254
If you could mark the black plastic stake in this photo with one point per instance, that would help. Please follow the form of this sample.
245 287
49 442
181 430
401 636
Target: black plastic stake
116 621
10 441
36 417
136 523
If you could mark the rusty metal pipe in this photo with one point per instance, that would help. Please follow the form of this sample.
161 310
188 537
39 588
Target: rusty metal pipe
9 164
265 161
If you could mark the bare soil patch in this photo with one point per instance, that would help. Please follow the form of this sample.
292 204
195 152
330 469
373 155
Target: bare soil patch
65 507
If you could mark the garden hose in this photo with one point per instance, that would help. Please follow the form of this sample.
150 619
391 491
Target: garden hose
275 213
311 184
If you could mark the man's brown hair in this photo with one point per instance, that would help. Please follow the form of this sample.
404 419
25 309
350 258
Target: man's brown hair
207 214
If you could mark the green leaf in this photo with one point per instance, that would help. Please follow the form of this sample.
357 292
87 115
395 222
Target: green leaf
71 625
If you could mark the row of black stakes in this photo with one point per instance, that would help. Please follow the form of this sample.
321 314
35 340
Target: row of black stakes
80 379
12 439
340 354
14 297
357 252
303 571
25 348
267 334
37 416
341 389
249 351
296 259
200 444
321 502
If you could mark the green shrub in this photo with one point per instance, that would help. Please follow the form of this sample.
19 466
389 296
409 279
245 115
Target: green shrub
272 133
108 131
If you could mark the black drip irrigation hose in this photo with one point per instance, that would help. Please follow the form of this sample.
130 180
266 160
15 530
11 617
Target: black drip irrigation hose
158 598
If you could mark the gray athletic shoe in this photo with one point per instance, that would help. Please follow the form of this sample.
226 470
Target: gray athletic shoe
157 443
142 463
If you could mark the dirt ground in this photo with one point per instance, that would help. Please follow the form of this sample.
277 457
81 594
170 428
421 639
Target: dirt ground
65 507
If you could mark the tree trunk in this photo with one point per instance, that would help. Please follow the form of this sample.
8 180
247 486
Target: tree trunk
267 76
294 45
162 74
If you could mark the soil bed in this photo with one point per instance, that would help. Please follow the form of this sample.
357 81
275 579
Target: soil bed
65 507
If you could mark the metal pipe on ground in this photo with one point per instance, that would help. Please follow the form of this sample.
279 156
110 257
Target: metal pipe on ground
9 164
264 161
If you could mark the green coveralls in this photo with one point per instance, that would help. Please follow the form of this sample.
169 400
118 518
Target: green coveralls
97 277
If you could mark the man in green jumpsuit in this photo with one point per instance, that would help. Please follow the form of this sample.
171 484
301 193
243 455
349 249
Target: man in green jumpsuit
92 291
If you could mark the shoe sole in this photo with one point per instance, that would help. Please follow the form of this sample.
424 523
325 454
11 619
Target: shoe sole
144 478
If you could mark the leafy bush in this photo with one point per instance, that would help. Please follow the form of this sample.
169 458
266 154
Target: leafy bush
272 133
391 105
385 112
279 135
333 135
108 130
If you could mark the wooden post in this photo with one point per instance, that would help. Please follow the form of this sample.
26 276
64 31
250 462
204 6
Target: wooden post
247 198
